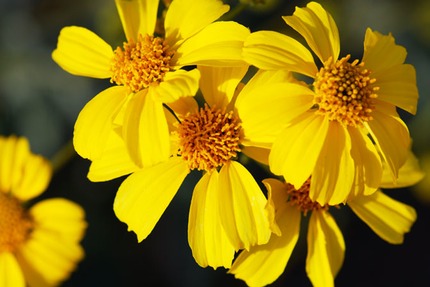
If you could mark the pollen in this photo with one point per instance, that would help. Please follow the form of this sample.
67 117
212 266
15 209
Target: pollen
300 198
209 138
345 92
15 224
141 64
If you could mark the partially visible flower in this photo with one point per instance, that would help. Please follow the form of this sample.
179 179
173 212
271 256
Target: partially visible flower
388 218
147 71
39 246
343 126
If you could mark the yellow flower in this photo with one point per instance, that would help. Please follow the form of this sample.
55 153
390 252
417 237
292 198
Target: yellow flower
344 125
147 71
227 211
388 218
39 246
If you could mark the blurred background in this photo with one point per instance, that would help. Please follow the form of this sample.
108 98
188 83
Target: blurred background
40 101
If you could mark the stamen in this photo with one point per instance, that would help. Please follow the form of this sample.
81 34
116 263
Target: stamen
15 224
300 198
345 92
209 138
138 65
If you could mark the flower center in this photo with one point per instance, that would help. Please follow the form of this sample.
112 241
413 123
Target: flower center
15 224
209 138
300 198
344 92
138 65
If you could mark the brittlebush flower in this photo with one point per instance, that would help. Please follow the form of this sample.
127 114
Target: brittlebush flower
39 246
344 125
227 211
147 71
388 218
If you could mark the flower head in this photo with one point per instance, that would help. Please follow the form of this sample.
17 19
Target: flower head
342 126
147 71
39 246
388 218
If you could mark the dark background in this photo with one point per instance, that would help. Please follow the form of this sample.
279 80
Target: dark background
40 101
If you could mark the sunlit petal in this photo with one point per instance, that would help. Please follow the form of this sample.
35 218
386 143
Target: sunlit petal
144 196
81 52
10 271
388 218
318 28
177 84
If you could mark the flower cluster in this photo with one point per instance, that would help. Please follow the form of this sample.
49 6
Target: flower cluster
180 103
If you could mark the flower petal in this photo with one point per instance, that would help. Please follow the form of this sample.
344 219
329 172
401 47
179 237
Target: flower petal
137 17
269 50
263 264
368 165
114 162
206 236
381 52
259 154
218 84
318 28
10 271
219 44
388 218
296 150
177 84
398 86
94 122
243 213
409 174
144 196
333 175
81 52
145 129
326 249
391 135
185 18
267 109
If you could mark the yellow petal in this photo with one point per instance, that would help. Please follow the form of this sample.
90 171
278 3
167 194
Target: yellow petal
368 165
391 135
257 153
47 259
318 28
81 52
409 174
333 175
263 264
243 211
206 236
218 44
10 271
137 17
267 109
144 196
35 176
185 18
381 52
269 50
388 218
61 217
114 162
326 249
182 106
94 122
14 152
145 130
398 87
218 84
177 84
296 150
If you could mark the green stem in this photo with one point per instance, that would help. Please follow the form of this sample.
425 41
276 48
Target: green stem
63 156
234 12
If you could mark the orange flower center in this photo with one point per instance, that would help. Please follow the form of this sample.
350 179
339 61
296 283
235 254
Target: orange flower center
344 92
209 138
15 224
138 65
300 198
